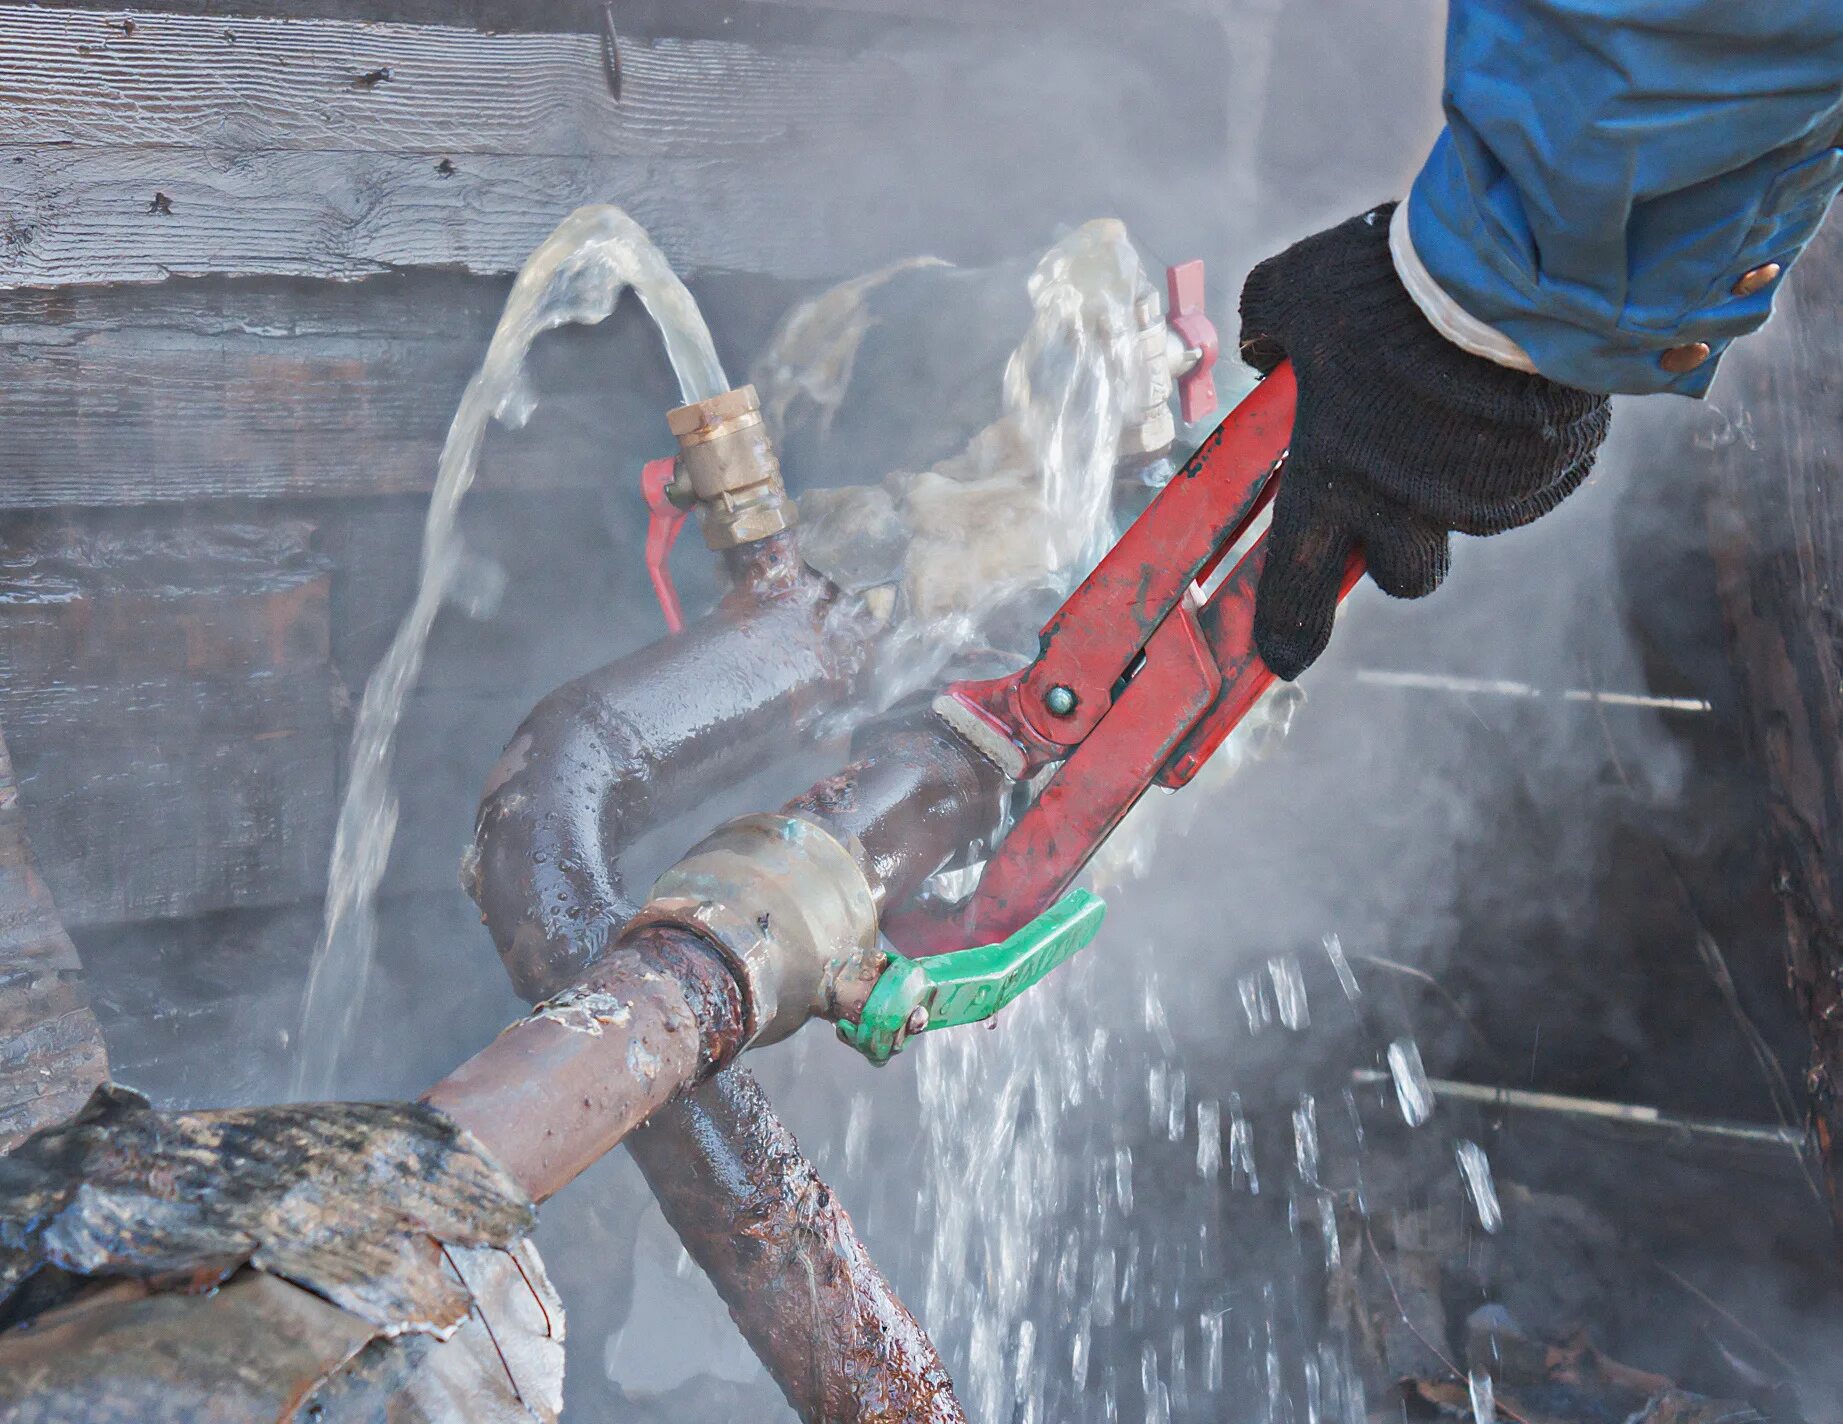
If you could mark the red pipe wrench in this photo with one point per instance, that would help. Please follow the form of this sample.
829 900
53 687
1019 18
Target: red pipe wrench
1140 676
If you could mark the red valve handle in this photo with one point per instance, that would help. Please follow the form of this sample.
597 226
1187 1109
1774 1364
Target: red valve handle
664 520
1185 315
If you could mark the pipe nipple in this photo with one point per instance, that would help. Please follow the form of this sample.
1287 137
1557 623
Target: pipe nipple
731 467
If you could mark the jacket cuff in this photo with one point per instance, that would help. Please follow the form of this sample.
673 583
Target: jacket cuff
1440 308
1473 256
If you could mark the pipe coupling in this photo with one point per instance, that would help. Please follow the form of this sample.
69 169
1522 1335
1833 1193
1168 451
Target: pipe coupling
726 458
787 904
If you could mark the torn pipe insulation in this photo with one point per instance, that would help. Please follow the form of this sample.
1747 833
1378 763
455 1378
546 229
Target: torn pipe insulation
328 1260
51 1048
232 1265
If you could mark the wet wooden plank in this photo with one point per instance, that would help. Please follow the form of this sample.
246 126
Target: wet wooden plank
139 417
118 600
51 1049
1776 532
265 389
203 1010
343 149
176 721
160 818
150 414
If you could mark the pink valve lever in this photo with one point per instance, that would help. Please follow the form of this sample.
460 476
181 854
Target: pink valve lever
1185 315
664 520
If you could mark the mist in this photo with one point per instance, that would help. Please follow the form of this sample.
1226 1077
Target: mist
1519 808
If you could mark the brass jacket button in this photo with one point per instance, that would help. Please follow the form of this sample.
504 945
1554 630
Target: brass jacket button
1679 359
1760 277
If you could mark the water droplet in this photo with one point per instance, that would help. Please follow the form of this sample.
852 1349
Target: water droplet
1209 1139
1327 1227
1483 1396
1174 1112
1305 1139
1475 1167
857 1132
1346 978
1211 1323
1025 1358
1412 1091
1248 987
1289 992
1241 1147
1100 1305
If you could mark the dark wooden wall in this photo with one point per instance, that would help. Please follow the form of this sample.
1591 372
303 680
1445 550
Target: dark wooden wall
248 260
1776 531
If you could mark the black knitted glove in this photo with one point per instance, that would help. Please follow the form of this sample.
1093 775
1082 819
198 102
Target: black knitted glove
1401 437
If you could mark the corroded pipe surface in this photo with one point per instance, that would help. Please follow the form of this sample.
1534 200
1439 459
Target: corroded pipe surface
730 1178
782 1252
562 1086
611 754
920 798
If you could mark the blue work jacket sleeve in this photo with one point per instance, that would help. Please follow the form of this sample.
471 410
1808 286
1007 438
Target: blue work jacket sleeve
1623 182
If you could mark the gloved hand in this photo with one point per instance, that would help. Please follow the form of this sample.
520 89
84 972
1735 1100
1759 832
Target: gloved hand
1401 437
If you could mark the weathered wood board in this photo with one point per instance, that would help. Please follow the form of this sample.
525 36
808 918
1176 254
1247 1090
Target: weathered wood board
51 1049
138 146
177 721
267 389
203 1010
1776 531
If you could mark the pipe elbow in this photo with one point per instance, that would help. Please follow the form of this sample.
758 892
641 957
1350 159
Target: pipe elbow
613 754
540 868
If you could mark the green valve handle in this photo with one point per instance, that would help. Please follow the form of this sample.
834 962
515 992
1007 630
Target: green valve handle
912 996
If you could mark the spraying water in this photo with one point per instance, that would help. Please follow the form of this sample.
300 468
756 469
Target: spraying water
1039 1247
575 276
1026 506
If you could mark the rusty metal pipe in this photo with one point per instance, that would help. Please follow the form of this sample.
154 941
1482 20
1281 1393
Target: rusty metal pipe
608 756
564 1085
729 1176
659 1011
785 1257
918 799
